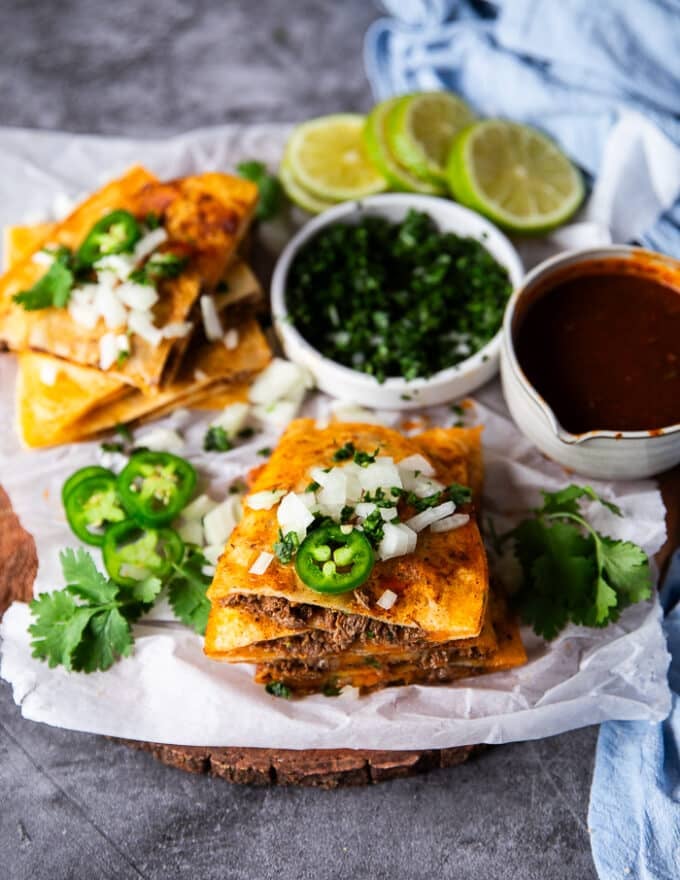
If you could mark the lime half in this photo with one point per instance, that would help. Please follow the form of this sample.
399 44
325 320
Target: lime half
328 158
421 129
514 175
377 147
298 194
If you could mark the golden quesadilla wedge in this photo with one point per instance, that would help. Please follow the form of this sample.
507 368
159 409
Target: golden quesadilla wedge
154 247
440 588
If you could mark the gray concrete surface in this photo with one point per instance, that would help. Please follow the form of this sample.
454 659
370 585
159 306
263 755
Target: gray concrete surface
78 807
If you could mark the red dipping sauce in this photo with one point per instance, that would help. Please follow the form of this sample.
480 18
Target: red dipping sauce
600 342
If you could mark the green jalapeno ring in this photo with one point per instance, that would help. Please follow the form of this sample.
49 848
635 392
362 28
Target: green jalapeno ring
116 233
83 474
93 502
155 486
151 550
330 561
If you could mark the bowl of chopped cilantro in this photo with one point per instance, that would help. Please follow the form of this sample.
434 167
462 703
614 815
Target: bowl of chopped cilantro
396 301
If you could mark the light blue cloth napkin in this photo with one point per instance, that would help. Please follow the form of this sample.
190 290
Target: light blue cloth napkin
634 816
568 66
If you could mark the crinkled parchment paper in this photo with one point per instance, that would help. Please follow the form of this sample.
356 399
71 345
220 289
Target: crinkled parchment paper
168 691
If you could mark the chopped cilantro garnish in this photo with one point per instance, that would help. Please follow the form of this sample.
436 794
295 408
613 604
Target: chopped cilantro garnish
112 447
373 527
346 514
278 689
54 288
286 547
365 458
406 292
265 452
371 661
344 452
571 572
312 487
457 409
216 440
331 689
152 221
246 433
459 494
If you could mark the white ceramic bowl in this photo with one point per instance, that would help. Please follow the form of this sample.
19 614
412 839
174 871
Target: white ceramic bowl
602 454
394 393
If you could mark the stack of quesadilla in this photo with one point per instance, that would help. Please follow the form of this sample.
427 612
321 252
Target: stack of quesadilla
134 304
359 562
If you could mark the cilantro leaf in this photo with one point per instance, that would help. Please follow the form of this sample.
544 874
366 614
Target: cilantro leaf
343 453
459 494
187 591
271 192
58 628
107 637
216 440
84 579
165 265
374 528
278 689
52 290
570 571
566 500
286 547
147 590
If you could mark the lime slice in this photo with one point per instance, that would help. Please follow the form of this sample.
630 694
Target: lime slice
375 141
298 194
328 158
514 175
421 129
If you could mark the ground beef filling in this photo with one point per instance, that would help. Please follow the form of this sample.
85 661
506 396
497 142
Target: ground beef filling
336 632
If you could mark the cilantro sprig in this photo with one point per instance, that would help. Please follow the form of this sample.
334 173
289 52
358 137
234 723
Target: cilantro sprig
270 190
54 287
187 590
87 625
571 572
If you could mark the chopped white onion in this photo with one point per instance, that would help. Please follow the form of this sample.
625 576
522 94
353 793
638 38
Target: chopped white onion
113 461
231 338
383 474
262 563
213 552
198 508
333 495
347 529
424 486
177 329
364 509
450 522
161 440
398 540
81 306
208 570
416 463
388 513
118 265
137 296
140 322
346 411
62 205
43 258
277 414
149 242
108 351
221 521
191 532
293 515
432 515
48 373
387 600
110 307
211 319
265 500
280 379
123 343
232 418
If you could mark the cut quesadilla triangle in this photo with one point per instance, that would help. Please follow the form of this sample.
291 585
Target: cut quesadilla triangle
207 365
442 586
205 217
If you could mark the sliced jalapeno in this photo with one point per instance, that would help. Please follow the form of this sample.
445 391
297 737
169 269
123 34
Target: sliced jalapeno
133 553
92 504
155 486
83 474
116 233
329 561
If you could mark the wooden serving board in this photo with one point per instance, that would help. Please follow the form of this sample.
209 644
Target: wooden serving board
328 768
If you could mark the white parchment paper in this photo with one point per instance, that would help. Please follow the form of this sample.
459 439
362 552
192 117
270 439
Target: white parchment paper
168 691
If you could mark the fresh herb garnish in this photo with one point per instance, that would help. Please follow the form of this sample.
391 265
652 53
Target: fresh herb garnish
54 288
86 626
265 452
346 514
371 661
286 547
187 590
278 689
164 265
459 494
122 358
345 452
216 439
246 433
373 528
271 192
112 447
152 221
365 458
413 300
331 689
312 487
571 572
